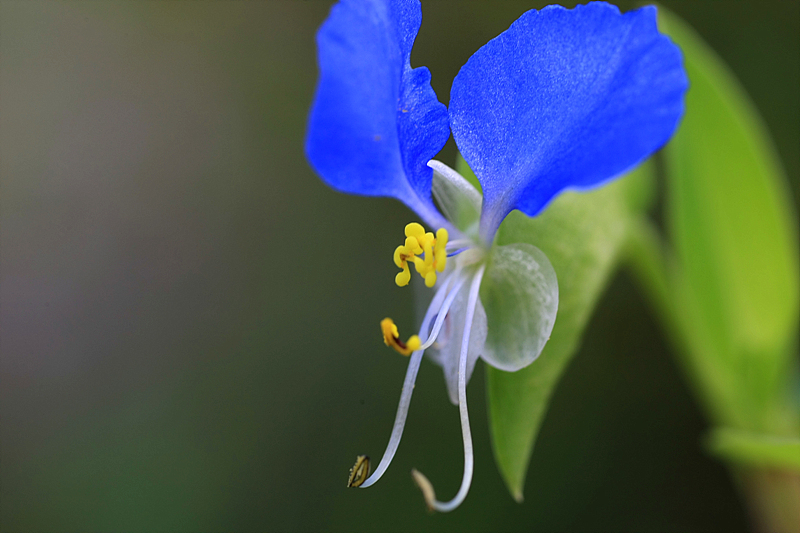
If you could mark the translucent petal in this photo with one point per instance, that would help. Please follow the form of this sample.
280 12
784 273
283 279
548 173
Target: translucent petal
375 122
564 99
520 297
457 199
447 349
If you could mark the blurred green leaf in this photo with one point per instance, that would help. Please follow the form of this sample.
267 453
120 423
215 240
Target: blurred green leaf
735 239
582 235
755 450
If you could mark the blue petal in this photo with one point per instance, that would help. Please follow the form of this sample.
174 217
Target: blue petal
564 99
375 122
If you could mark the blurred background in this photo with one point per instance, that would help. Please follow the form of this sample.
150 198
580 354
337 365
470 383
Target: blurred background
189 317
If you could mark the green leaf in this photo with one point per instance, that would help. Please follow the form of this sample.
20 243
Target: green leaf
520 294
582 234
765 451
737 282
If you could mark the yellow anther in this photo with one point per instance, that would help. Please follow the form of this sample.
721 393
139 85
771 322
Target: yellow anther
401 255
419 262
402 278
428 252
413 343
391 338
413 245
414 230
439 252
425 250
430 278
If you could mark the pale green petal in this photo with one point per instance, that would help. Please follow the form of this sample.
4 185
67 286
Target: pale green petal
456 197
520 295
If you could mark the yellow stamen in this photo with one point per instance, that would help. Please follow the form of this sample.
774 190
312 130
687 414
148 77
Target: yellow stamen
413 245
391 338
428 252
439 252
425 250
419 263
414 230
401 255
430 279
402 278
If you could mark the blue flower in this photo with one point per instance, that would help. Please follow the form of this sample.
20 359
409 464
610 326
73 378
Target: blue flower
563 99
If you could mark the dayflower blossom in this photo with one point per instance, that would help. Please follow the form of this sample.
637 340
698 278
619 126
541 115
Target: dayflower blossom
563 99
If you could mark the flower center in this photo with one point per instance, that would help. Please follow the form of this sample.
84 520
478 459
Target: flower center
429 255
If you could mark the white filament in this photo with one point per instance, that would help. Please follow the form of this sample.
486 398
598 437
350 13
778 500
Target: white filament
459 243
439 309
437 326
466 481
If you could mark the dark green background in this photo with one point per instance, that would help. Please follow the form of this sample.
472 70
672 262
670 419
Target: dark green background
190 317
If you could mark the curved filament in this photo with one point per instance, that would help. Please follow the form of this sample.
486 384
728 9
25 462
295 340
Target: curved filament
422 481
438 308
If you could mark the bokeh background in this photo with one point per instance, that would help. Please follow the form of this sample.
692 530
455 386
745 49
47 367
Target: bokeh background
189 317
